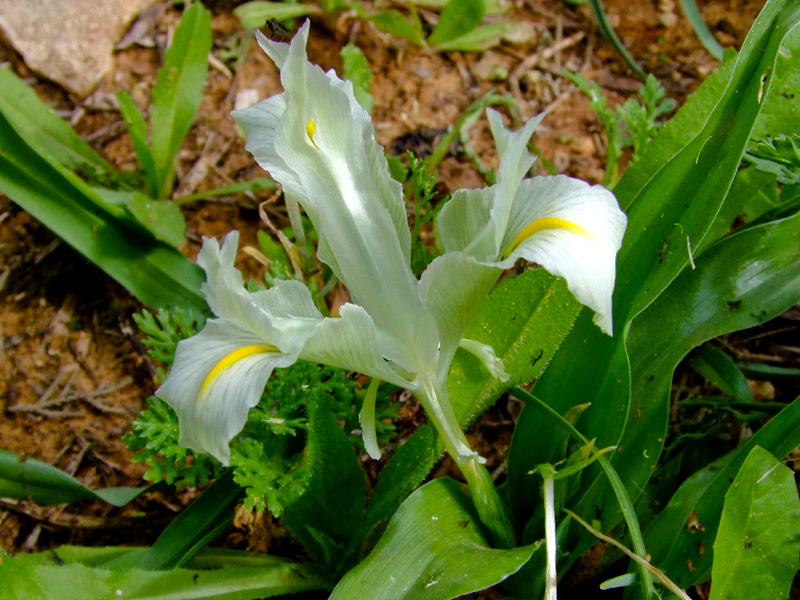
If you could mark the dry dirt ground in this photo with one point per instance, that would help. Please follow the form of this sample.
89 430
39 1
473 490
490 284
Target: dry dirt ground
73 373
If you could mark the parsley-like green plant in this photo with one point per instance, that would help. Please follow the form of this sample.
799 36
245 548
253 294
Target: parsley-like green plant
631 124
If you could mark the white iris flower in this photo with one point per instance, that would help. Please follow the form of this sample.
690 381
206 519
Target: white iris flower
317 141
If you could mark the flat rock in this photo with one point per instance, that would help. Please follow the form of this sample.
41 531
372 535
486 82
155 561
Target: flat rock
69 41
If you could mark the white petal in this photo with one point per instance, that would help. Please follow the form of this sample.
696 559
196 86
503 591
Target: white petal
584 253
283 315
461 223
323 151
352 342
452 287
486 355
475 221
210 417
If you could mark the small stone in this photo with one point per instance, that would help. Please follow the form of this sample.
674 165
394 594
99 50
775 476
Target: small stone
72 42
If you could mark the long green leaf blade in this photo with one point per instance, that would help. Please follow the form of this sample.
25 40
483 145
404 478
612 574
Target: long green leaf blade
755 552
138 133
48 133
178 91
681 537
433 549
30 479
157 274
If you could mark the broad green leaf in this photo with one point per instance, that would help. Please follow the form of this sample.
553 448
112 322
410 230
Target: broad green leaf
162 218
259 184
48 133
699 149
407 468
393 22
781 112
198 525
254 14
664 220
493 7
739 282
329 506
752 194
24 478
433 549
157 274
485 36
755 552
357 71
680 539
178 91
218 575
524 320
458 18
718 368
138 132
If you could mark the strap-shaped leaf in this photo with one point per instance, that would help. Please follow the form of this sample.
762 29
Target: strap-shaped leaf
178 91
157 274
755 552
30 479
433 549
69 573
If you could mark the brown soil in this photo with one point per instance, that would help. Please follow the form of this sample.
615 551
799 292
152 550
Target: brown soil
74 374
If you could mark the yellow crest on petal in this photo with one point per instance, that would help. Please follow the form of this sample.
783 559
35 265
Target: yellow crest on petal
233 358
310 129
540 225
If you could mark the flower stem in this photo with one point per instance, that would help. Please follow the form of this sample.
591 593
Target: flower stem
491 509
551 579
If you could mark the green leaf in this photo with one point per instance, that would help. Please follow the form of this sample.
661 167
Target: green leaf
433 549
680 539
218 575
24 478
458 18
357 71
328 509
254 14
779 156
781 111
198 525
259 184
138 132
393 22
48 133
662 217
524 321
740 282
162 218
701 29
484 37
157 274
755 552
178 91
718 368
407 468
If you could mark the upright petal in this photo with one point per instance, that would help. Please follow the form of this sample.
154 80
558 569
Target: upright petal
217 377
323 151
452 287
283 315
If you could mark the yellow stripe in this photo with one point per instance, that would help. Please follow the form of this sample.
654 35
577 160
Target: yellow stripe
235 357
540 225
310 129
